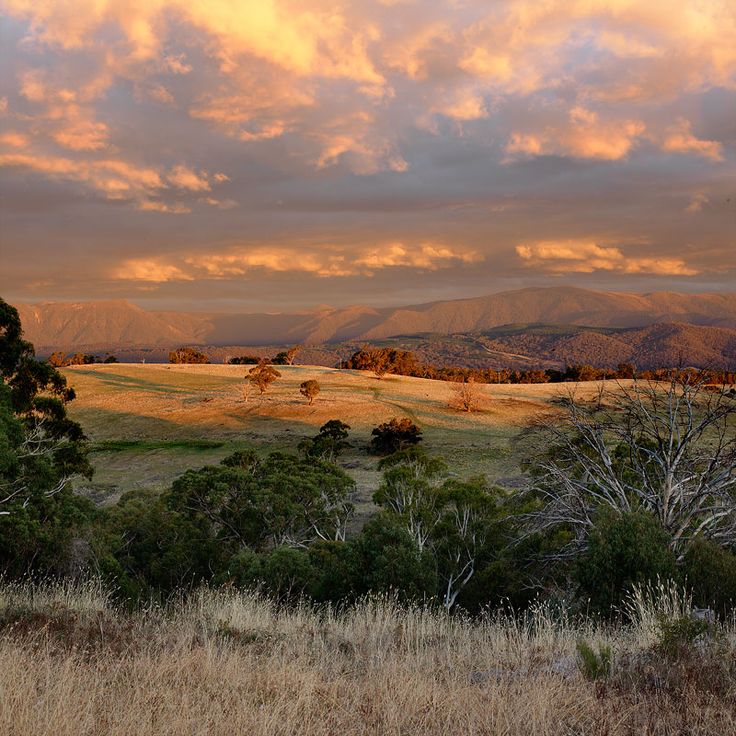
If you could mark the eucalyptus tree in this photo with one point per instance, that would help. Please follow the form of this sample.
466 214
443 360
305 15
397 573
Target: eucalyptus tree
664 448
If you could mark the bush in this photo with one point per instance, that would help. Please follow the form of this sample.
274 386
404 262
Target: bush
187 355
388 560
710 574
329 443
394 435
623 550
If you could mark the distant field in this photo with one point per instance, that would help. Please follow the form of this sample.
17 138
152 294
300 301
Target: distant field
149 423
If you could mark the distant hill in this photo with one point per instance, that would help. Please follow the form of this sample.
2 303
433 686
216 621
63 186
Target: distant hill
696 328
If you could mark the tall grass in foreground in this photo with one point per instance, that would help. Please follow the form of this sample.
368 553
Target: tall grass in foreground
224 662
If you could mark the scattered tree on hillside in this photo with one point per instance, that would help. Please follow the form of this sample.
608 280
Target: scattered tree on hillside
465 396
110 359
665 449
291 354
394 435
187 355
329 443
309 389
262 376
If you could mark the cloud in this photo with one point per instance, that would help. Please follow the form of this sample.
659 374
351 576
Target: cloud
587 256
680 139
326 261
424 256
148 269
582 135
697 202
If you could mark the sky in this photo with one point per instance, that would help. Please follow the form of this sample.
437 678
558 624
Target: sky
268 155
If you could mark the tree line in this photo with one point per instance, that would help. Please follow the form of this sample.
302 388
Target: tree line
382 361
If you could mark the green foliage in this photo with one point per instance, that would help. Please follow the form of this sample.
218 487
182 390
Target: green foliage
389 560
282 499
187 355
329 443
676 636
40 450
146 549
710 573
284 572
623 550
395 435
594 665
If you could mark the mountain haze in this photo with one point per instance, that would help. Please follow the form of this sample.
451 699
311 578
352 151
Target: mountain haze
115 324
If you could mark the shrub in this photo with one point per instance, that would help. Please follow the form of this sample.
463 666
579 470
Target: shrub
329 443
623 550
394 435
710 573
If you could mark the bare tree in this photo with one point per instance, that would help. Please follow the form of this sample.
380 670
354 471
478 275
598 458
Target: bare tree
465 396
666 448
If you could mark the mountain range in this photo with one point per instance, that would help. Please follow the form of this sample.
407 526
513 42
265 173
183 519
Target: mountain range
120 323
607 327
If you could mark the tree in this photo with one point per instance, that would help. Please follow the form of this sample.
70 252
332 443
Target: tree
461 536
624 550
309 389
41 450
187 355
291 354
410 490
329 443
44 448
263 375
245 360
262 504
465 396
668 449
394 435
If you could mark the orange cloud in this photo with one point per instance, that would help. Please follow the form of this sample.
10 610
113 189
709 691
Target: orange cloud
583 135
587 256
324 261
680 139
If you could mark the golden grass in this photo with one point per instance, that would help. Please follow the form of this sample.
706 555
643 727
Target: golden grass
176 403
222 662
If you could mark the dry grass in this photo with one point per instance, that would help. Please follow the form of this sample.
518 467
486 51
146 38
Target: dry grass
221 662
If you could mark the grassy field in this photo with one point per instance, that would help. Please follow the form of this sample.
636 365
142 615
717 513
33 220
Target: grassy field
227 662
149 423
